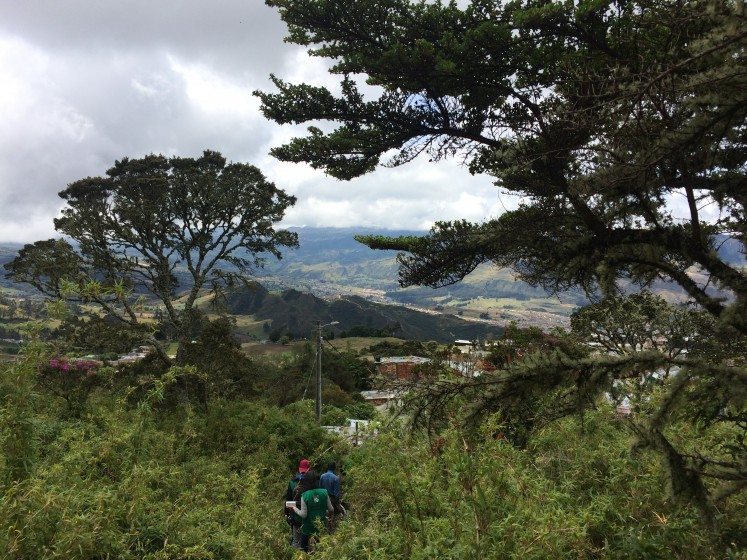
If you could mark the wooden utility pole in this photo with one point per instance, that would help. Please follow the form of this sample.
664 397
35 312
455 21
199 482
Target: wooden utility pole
318 372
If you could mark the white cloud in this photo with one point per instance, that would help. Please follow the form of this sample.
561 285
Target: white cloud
216 96
149 91
34 226
86 83
40 130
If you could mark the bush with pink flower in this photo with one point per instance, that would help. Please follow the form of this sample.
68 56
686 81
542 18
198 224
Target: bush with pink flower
71 379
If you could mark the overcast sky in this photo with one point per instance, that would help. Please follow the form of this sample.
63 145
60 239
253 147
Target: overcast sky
87 82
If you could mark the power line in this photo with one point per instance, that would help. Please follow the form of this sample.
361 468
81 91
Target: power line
308 379
365 364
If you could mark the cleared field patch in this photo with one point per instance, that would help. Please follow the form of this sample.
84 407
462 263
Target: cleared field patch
358 343
545 312
550 305
248 325
13 292
268 348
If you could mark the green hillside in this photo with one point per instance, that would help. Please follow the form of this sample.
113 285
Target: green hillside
297 313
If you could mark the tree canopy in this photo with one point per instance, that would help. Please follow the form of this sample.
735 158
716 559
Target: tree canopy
153 225
641 321
620 124
621 127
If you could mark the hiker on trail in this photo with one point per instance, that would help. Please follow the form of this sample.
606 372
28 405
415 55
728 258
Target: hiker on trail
315 504
331 483
293 494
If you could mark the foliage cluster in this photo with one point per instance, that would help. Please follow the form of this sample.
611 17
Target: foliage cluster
596 113
518 341
670 366
132 228
72 380
145 482
136 479
99 335
567 495
405 348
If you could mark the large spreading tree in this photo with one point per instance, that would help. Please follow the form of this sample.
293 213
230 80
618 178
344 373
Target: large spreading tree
620 124
159 228
604 116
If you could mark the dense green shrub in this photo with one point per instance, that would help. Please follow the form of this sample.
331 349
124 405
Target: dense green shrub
569 495
73 380
99 335
139 481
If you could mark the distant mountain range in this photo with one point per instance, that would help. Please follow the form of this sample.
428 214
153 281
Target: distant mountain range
332 256
330 275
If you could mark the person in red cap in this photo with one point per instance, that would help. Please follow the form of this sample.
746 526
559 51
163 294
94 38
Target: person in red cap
293 494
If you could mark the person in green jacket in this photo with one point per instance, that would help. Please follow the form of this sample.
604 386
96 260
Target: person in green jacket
315 504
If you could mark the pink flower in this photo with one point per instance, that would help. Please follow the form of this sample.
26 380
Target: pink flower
85 365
